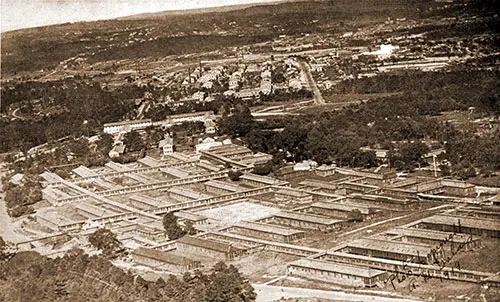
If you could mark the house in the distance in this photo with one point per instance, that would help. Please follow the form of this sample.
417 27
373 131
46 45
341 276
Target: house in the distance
117 150
206 144
167 145
210 126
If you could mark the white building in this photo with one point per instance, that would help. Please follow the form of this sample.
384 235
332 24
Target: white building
206 144
127 126
167 145
210 126
306 165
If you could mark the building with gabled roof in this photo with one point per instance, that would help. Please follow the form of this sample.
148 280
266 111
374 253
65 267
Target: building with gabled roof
266 231
304 221
166 145
207 247
164 260
335 272
389 249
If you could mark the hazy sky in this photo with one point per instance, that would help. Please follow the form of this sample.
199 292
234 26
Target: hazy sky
16 14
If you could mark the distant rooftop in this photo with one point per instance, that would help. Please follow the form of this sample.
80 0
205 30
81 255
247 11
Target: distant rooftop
390 246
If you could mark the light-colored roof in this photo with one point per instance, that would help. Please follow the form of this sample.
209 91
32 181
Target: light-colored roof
344 269
262 179
162 256
119 148
465 221
207 165
207 244
186 192
190 216
308 217
223 185
177 172
381 198
429 234
319 184
142 198
343 207
291 192
84 172
125 123
391 246
149 161
50 177
267 228
94 210
326 167
17 178
117 166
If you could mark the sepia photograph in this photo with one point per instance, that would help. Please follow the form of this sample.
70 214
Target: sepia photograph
250 151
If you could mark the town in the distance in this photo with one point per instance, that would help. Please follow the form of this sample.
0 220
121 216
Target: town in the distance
298 151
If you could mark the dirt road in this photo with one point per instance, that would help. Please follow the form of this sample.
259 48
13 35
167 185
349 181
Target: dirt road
269 293
318 97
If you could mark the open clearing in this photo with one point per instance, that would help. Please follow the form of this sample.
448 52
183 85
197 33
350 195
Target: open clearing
233 213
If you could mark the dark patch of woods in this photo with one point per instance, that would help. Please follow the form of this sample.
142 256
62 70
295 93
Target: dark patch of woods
29 276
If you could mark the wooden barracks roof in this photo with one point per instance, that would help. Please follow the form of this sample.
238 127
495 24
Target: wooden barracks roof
207 244
267 228
391 246
308 217
344 269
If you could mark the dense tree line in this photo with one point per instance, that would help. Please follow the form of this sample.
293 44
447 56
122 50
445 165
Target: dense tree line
20 198
174 230
455 90
397 123
67 107
28 276
106 241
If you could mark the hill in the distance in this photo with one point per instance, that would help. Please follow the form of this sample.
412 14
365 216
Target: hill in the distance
46 47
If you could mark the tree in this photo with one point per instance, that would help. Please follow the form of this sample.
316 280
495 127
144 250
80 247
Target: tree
237 124
356 215
173 229
366 159
234 175
133 140
105 143
228 285
410 155
105 240
263 169
189 228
